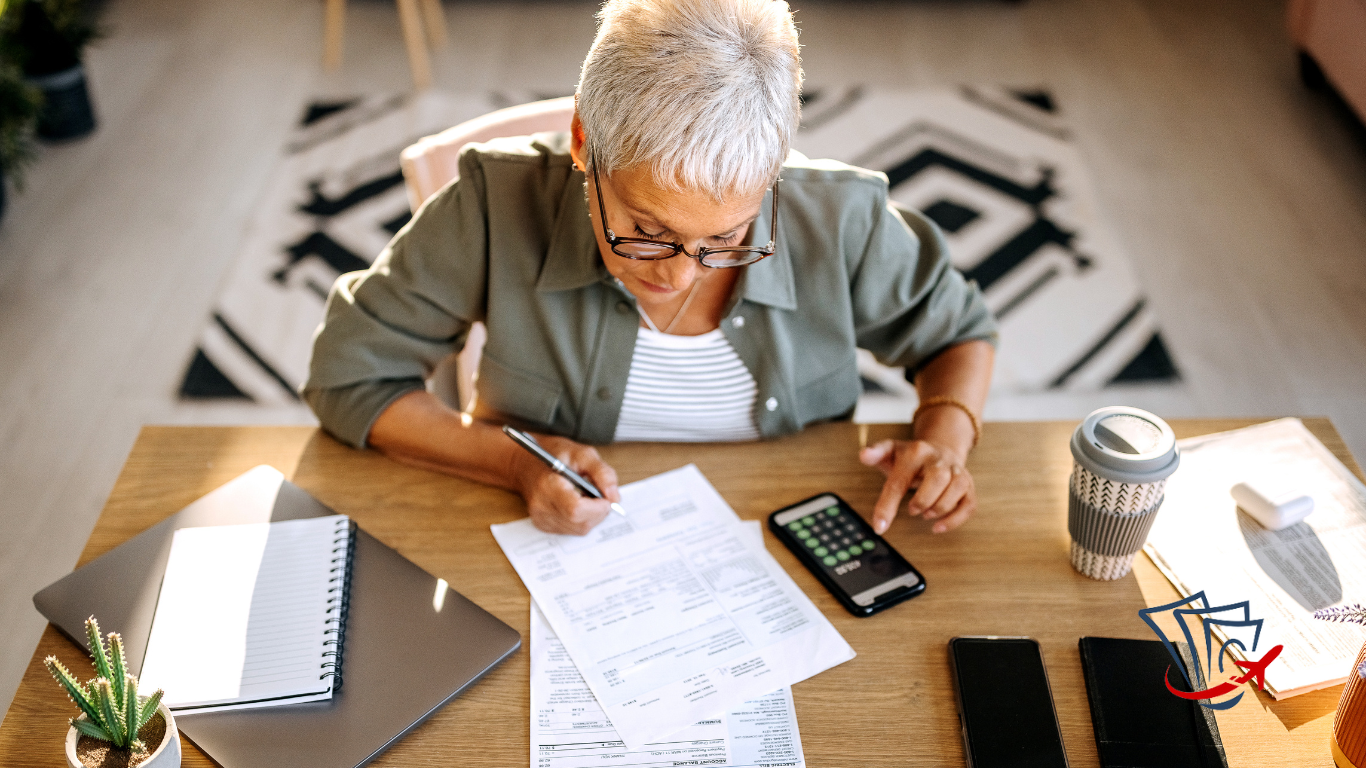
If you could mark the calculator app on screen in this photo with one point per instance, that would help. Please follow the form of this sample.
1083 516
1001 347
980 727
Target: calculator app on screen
841 549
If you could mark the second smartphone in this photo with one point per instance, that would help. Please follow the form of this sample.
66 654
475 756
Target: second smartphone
839 547
1005 706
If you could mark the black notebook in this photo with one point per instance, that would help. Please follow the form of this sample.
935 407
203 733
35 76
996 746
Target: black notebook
1138 722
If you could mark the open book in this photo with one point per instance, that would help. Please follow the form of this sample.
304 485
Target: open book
251 615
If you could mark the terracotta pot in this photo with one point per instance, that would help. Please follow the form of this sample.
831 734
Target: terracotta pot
1349 724
167 755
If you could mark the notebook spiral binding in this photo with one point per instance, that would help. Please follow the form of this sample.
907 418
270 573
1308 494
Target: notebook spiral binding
343 558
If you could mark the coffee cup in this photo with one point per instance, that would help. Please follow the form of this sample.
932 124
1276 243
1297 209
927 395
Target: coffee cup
1122 459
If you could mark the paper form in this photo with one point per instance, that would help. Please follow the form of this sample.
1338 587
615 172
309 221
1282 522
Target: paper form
1201 541
671 614
570 730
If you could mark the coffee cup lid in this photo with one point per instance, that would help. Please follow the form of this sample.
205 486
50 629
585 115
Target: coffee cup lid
1127 445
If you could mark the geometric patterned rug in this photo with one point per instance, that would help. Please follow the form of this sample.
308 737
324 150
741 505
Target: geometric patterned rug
999 173
330 206
997 170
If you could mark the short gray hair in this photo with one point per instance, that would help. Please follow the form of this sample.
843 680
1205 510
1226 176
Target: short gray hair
705 93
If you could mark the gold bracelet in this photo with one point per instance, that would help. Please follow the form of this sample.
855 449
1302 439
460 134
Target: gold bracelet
938 400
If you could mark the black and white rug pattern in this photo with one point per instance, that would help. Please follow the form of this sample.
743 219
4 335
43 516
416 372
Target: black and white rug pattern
334 200
995 169
998 171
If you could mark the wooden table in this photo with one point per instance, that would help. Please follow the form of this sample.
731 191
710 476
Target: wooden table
1006 572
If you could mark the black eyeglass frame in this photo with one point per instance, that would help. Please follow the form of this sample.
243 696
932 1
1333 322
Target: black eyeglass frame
613 241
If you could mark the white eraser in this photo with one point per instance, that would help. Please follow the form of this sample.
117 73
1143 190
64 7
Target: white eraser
1274 510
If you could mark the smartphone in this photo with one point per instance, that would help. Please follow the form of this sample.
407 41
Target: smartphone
860 569
1005 706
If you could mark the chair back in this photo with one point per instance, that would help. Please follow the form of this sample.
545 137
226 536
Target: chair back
432 163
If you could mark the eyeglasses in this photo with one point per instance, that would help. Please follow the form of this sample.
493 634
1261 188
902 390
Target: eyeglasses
653 250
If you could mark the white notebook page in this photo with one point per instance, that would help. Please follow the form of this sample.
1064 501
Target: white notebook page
246 614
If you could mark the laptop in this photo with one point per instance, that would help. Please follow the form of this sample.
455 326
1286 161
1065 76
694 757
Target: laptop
412 644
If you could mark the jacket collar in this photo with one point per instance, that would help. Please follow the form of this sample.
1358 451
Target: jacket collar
572 260
771 281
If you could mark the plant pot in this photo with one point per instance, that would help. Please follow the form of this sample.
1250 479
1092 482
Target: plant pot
166 755
66 111
1349 724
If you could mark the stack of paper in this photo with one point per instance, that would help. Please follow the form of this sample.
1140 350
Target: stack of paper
677 620
570 730
1202 542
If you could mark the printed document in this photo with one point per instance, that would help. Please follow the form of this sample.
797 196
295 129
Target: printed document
671 614
570 730
1202 541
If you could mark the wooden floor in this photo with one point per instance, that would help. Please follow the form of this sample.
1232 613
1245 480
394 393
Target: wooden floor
1240 197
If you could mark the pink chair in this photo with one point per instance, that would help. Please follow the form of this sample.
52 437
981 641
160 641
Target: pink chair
1332 35
431 164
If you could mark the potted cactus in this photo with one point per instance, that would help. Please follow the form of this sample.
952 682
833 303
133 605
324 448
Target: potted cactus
116 726
1348 743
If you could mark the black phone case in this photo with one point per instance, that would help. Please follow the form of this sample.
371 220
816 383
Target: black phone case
958 691
1138 722
807 559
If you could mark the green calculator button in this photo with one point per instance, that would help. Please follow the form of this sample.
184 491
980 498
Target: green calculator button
822 551
854 551
829 560
802 533
869 546
842 555
808 520
833 511
795 525
812 542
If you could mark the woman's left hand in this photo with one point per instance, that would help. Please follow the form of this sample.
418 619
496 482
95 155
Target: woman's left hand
944 490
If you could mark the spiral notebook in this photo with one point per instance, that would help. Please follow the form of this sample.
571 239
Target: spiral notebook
251 615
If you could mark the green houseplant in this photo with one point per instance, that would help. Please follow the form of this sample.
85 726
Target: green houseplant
19 105
18 111
47 39
115 723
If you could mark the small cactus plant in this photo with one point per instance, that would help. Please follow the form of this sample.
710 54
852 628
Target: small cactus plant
114 712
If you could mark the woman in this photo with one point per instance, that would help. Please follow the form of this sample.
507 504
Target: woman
650 276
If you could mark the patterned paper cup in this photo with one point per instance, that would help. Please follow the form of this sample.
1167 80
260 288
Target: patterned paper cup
1123 457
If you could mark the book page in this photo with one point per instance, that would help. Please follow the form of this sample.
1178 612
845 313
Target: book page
246 615
1202 541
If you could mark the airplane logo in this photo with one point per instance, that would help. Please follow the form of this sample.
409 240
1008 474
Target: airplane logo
1236 623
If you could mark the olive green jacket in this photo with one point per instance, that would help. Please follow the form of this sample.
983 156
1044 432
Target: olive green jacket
510 243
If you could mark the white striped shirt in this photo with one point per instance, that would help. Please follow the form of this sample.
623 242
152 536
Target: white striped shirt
687 389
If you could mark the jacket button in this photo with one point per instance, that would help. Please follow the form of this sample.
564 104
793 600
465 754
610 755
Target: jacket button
623 308
738 322
606 394
771 404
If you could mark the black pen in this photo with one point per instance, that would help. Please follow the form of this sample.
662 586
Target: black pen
558 467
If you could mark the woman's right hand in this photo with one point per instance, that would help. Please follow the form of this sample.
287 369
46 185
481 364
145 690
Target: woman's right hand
553 503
